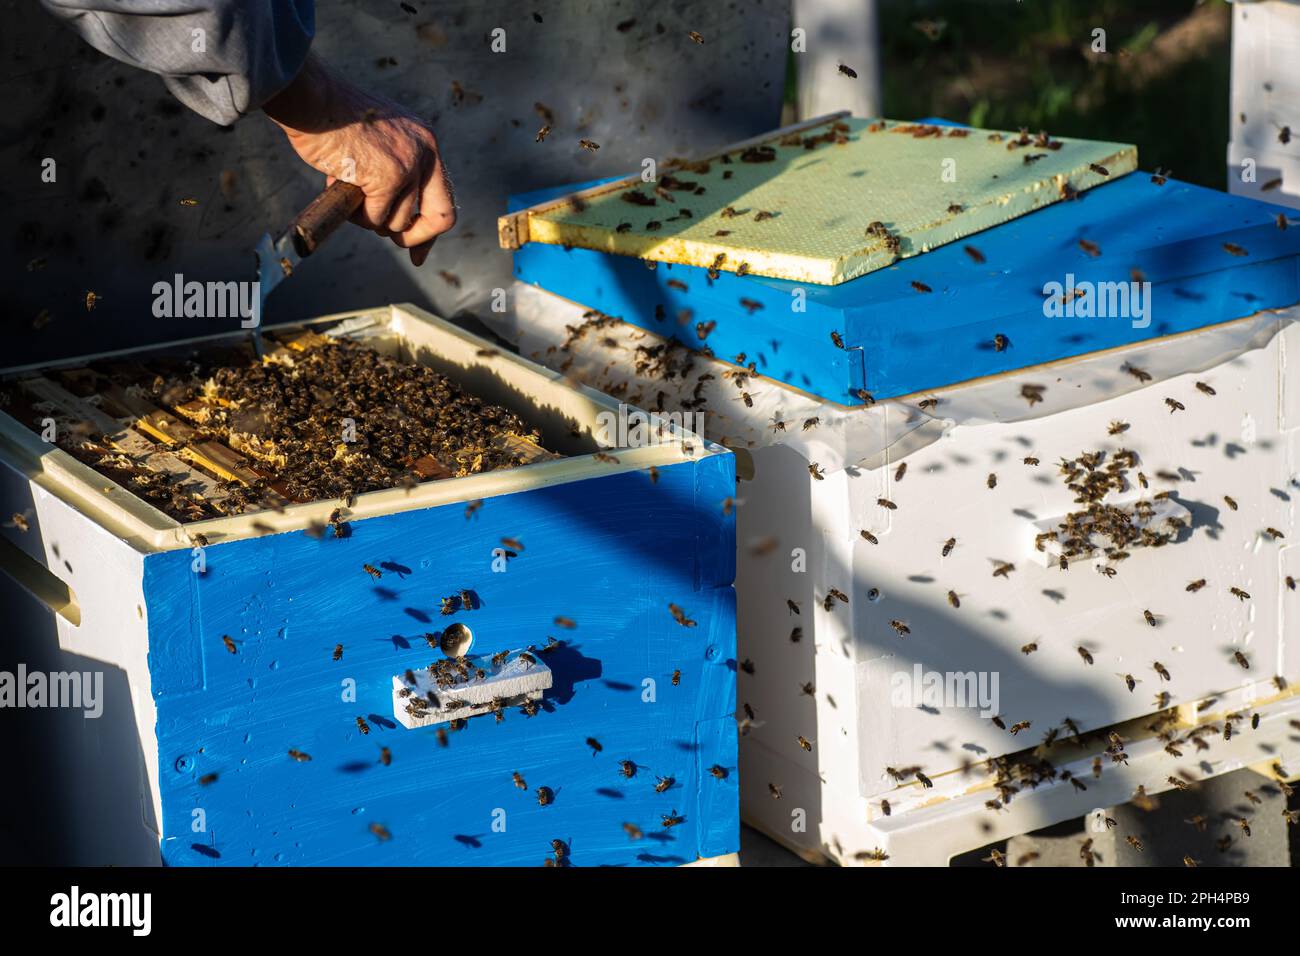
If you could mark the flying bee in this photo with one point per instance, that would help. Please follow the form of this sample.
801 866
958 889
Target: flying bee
1175 405
996 857
815 470
1134 842
589 145
385 756
1161 670
627 768
1030 460
1232 249
953 599
663 783
870 537
900 472
1029 648
1015 728
442 737
1195 585
519 780
921 286
998 722
1129 681
792 605
1000 342
1149 617
1239 594
363 726
1085 654
948 546
900 628
1230 502
1244 824
848 71
544 796
1003 569
677 677
1091 248
542 134
1241 659
1178 783
381 831
373 571
632 830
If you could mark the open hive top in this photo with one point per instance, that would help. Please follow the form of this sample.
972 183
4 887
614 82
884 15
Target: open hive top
217 432
825 202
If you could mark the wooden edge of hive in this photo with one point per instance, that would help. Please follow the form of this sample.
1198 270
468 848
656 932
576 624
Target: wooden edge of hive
513 228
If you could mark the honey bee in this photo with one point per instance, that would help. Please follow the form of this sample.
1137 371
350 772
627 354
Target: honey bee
677 677
1085 654
695 36
792 605
718 772
870 537
373 571
774 790
948 546
1015 728
1099 169
442 737
953 599
544 796
632 830
1135 843
900 471
848 71
925 781
1000 342
1091 248
992 481
998 722
1232 249
1195 585
542 134
230 644
1150 618
976 256
900 628
815 470
1003 569
1175 405
1290 583
837 340
381 831
927 403
363 726
996 857
589 145
1230 502
1029 648
811 422
1274 533
1241 659
1129 681
663 783
671 819
565 622
921 286
627 768
92 298
1239 594
385 756
886 503
299 756
680 616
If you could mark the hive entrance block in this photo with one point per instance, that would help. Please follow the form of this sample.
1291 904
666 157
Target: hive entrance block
519 679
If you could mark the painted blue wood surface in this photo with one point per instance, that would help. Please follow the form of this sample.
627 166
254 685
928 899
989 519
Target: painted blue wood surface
610 552
901 341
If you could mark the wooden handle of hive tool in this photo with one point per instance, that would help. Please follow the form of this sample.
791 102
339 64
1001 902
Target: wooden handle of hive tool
324 214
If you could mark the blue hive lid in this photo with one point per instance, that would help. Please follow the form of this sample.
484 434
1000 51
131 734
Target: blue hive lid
1209 258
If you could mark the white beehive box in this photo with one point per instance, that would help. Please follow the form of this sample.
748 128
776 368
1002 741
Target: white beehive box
835 686
1265 101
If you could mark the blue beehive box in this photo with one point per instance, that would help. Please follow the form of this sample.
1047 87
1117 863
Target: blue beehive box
1208 257
255 742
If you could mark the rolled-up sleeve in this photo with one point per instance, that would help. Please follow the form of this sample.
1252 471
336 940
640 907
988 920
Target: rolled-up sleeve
221 58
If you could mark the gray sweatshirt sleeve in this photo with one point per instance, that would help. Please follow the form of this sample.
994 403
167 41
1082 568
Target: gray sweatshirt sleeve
221 58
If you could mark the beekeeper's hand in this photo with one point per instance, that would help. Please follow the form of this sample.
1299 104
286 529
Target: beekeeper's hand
380 146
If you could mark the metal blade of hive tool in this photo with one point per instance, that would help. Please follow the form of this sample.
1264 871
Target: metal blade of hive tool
277 258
